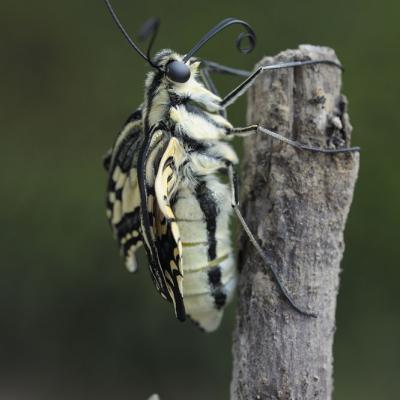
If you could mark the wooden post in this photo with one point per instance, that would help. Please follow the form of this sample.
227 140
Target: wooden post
296 203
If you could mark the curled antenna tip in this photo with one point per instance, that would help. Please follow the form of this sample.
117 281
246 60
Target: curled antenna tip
249 35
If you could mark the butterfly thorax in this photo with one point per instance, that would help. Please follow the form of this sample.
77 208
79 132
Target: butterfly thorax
187 109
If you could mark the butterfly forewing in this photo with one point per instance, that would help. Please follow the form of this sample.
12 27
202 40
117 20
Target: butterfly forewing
159 178
168 236
138 204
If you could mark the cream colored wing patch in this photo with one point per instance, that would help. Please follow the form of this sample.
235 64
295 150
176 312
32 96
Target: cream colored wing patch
165 226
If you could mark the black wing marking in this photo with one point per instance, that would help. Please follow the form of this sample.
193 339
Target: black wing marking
158 178
107 160
123 198
166 228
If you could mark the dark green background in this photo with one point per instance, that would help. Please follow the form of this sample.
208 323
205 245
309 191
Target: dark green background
73 323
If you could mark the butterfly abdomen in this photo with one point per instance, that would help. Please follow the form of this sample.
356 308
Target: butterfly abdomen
208 263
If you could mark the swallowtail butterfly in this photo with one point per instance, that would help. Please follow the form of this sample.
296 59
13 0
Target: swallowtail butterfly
164 189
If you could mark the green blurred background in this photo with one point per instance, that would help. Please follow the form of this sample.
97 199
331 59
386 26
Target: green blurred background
73 323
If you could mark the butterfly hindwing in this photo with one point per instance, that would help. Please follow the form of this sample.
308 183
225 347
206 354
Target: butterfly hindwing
123 200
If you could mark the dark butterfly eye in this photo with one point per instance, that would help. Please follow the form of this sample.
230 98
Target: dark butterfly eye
178 71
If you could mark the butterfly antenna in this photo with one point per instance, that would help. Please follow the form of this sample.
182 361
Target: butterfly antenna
126 35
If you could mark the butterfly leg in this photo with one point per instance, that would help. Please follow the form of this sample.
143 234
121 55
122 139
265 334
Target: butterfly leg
233 180
207 67
252 129
212 66
210 85
247 83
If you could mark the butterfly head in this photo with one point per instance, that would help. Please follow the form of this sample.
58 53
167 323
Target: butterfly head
170 65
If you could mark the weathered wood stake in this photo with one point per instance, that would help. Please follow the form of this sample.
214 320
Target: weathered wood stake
296 203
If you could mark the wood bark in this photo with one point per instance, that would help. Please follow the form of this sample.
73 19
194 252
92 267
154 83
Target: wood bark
296 204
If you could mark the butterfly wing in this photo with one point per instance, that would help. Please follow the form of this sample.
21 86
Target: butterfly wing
143 177
123 199
158 172
166 227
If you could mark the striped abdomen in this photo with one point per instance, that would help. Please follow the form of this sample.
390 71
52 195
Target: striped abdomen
209 270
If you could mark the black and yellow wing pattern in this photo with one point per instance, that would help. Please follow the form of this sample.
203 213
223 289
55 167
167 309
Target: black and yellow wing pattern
123 197
165 226
143 177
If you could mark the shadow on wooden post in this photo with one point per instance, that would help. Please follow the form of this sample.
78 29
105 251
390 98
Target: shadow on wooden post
296 203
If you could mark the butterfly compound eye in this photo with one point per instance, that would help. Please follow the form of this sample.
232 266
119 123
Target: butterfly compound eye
178 71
